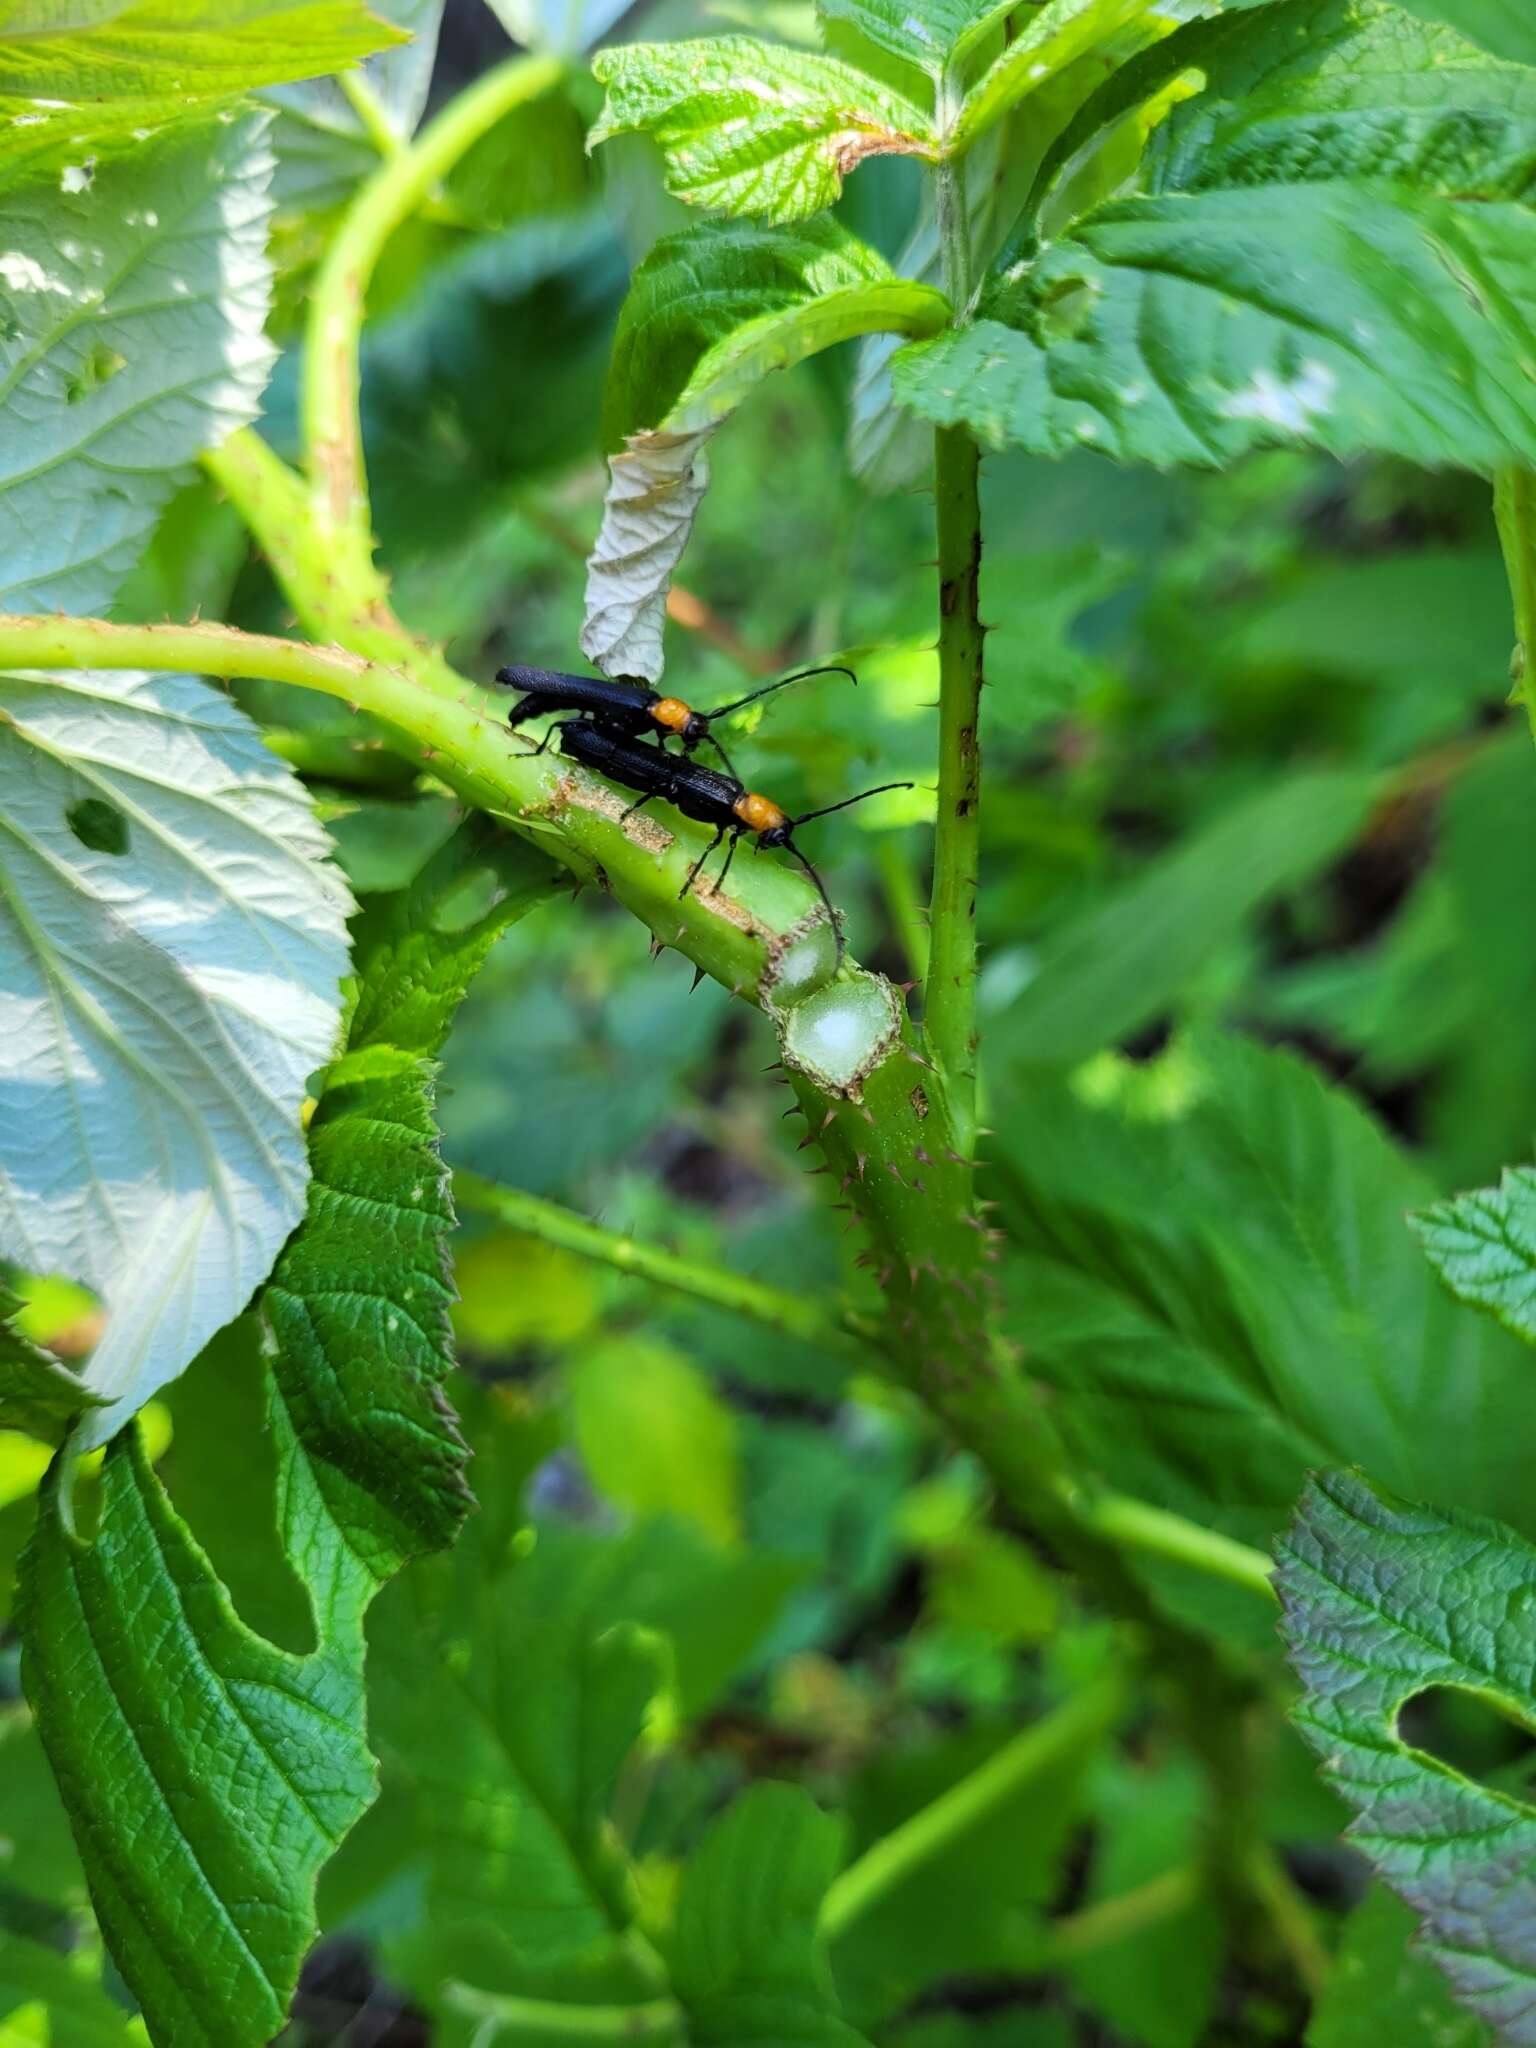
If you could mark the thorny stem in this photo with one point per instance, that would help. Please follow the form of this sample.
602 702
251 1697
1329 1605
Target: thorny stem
950 991
949 995
1129 1524
1514 504
451 729
329 405
1040 1749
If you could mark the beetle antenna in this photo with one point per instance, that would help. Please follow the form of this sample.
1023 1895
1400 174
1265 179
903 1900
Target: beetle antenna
833 668
821 891
725 757
878 790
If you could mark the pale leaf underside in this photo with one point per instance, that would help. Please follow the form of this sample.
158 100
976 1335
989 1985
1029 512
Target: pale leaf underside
132 314
174 947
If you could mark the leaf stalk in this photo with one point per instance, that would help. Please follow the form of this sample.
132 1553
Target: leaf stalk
1044 1746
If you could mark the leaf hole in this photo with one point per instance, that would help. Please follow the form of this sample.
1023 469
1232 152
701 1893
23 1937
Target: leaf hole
99 366
99 825
1475 1734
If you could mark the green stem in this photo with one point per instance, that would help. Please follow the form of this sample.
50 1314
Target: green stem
903 902
369 109
329 403
1110 1921
801 1317
443 722
1290 1917
1040 1749
1135 1525
950 992
1514 504
516 2019
950 201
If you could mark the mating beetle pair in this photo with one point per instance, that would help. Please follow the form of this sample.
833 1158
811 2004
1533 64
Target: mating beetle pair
607 737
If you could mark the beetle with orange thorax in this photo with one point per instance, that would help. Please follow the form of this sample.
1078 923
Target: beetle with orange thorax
630 707
702 794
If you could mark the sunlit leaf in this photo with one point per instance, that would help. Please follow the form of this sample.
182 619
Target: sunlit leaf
181 1740
172 978
76 83
132 307
1058 36
755 128
1326 250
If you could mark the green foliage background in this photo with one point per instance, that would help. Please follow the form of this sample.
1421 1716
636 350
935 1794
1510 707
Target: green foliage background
1257 978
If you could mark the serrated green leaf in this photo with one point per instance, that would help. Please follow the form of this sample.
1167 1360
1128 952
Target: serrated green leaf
1382 1602
1257 289
1381 1988
1313 91
528 1890
81 82
180 1739
39 1395
1057 37
131 339
929 34
1483 1246
357 1306
182 982
710 313
1124 962
1217 1279
696 289
1189 330
747 1961
755 128
183 1742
